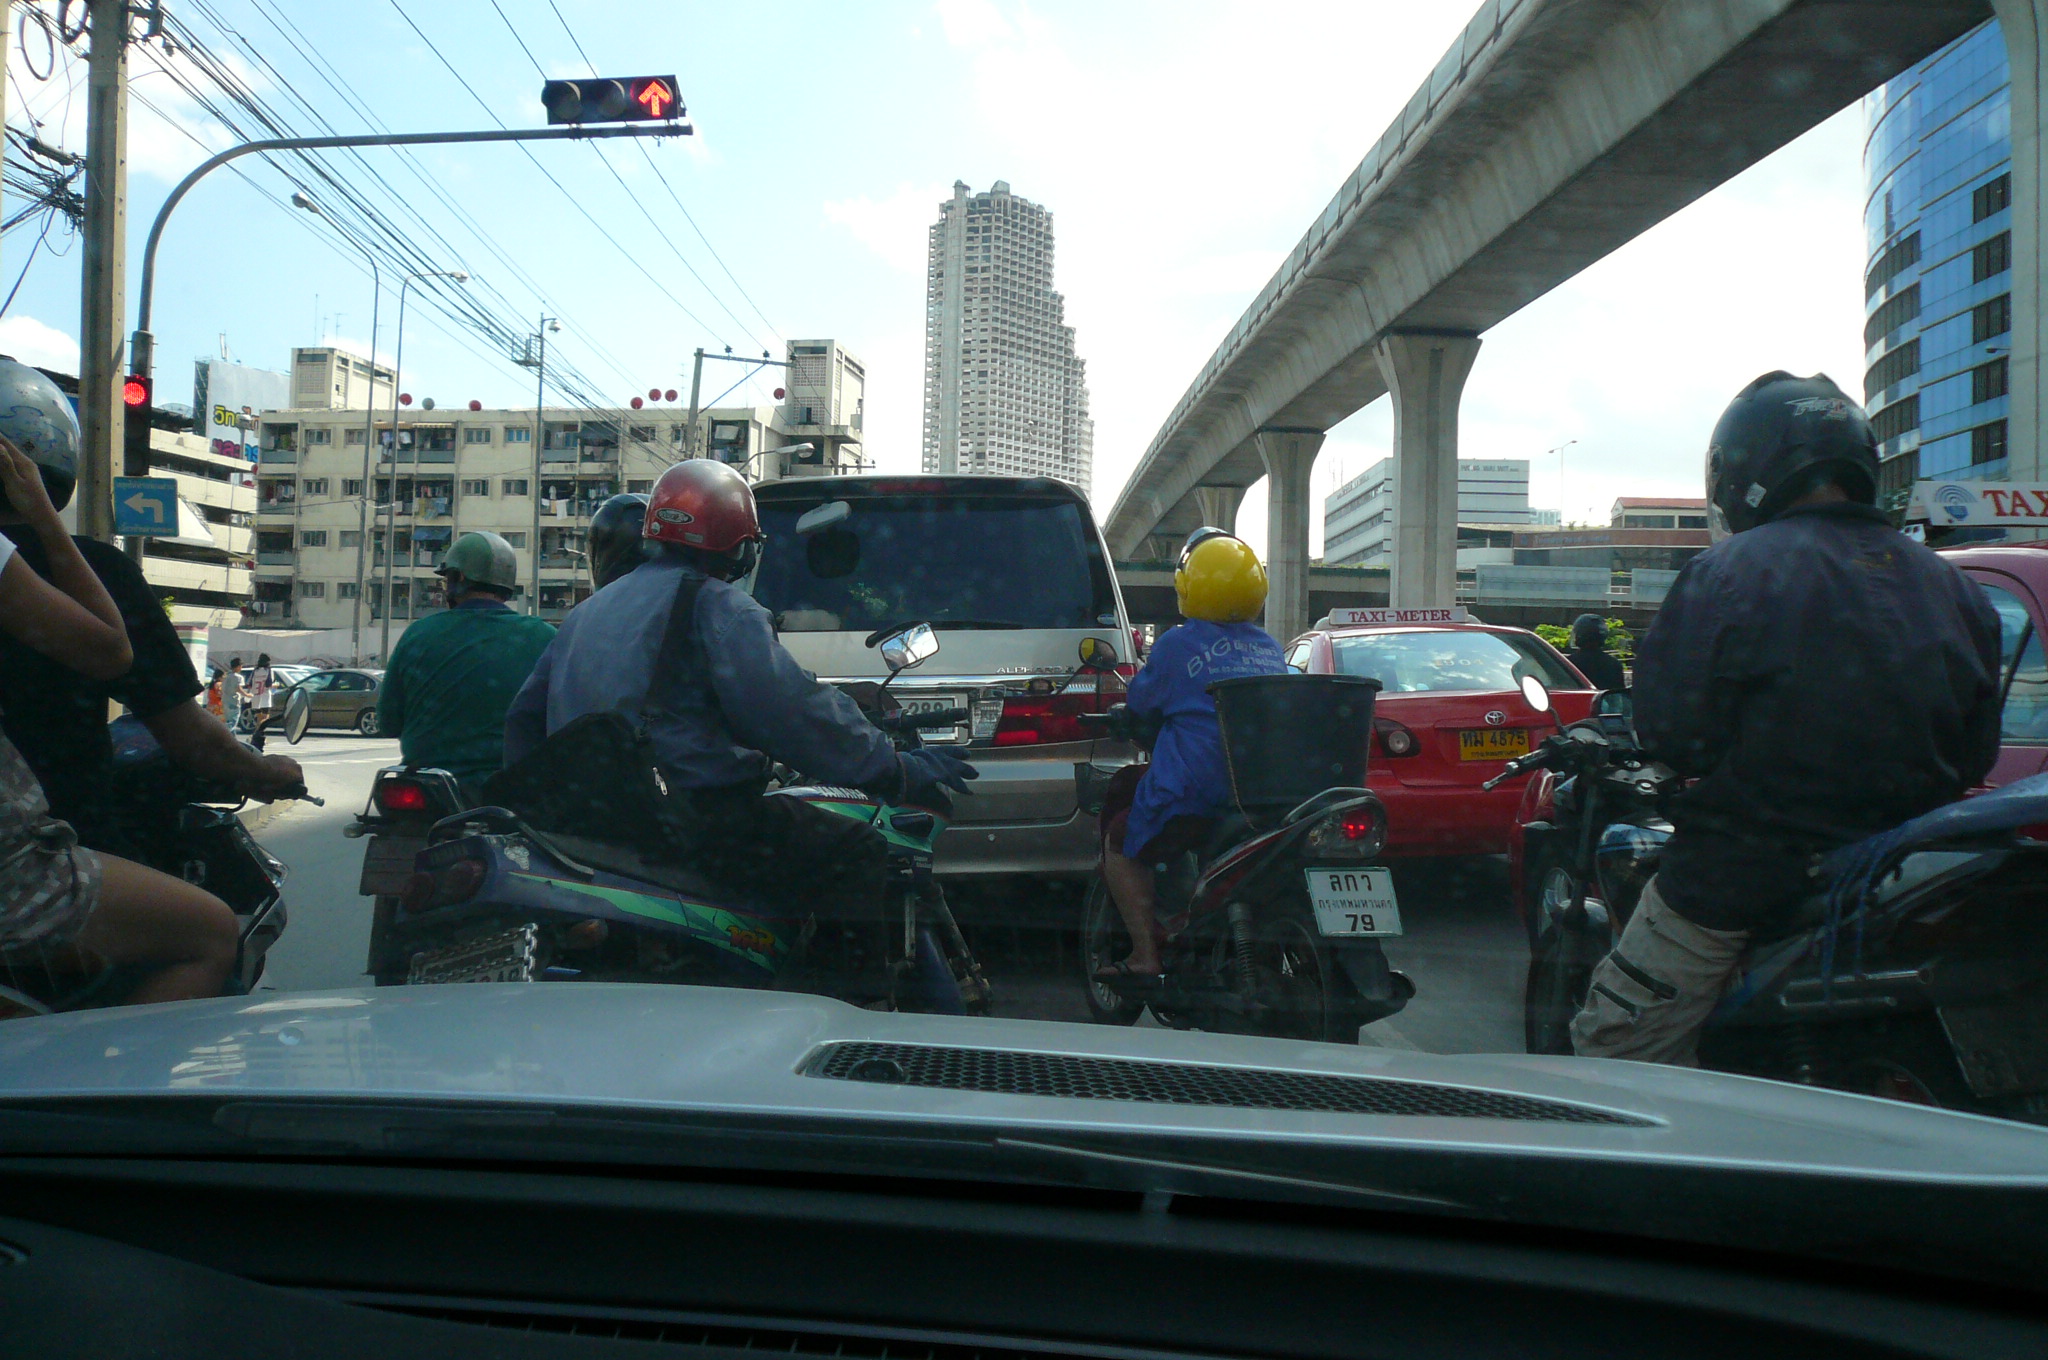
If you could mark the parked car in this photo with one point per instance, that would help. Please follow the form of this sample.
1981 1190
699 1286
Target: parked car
338 698
1013 572
282 677
1449 715
2015 577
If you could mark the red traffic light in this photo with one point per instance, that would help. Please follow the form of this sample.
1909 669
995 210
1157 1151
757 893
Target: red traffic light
135 392
655 95
615 99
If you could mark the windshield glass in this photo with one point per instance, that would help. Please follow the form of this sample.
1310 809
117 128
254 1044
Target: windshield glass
1442 660
1449 332
987 561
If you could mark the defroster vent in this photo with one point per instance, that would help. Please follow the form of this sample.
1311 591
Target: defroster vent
1072 1077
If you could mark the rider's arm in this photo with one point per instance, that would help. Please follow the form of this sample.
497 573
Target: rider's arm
1151 687
197 741
75 621
526 721
391 692
1682 708
775 705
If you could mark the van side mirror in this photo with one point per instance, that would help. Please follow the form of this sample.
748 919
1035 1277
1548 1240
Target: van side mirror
907 647
1098 655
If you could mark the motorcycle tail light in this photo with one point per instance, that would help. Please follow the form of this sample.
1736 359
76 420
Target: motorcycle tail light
402 795
445 886
1395 739
1356 832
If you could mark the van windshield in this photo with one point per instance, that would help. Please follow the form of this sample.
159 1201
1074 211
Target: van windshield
958 561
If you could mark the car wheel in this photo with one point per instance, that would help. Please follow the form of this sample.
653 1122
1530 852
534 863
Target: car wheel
366 722
1103 941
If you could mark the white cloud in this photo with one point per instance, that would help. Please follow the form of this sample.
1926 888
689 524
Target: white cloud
895 227
973 23
35 343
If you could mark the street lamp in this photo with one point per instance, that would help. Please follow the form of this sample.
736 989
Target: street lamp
1559 451
391 501
540 438
301 201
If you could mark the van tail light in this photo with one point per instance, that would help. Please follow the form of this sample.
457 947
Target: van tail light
1040 719
1395 740
443 886
398 796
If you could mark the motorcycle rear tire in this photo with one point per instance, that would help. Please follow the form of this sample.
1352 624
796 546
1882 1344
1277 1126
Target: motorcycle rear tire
1103 941
1560 972
1297 970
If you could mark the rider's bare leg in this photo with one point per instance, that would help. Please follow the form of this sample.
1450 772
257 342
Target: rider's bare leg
185 935
1130 885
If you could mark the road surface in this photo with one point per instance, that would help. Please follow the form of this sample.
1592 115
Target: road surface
1463 947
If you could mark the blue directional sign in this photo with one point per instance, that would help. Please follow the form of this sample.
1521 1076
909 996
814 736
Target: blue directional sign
146 507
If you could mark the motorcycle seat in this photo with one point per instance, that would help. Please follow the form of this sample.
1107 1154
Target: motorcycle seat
1231 828
627 862
2021 803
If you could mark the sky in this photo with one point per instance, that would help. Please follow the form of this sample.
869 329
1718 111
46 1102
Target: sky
1183 148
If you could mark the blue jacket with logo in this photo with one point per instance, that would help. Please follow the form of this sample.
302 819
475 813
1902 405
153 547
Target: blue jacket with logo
1187 776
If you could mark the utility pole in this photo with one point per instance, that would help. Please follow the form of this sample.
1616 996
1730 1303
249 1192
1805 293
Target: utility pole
696 386
540 439
102 314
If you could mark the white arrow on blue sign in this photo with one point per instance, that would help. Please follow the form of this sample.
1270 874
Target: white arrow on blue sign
146 507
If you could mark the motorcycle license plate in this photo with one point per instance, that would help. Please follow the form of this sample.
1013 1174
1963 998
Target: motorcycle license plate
1354 901
1493 743
933 736
506 956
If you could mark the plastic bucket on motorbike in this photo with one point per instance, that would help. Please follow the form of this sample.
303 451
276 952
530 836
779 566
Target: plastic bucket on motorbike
1286 738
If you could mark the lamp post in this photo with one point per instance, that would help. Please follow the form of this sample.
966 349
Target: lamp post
540 439
1559 451
301 201
391 501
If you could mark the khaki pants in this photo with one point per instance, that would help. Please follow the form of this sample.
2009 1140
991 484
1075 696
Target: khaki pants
1651 995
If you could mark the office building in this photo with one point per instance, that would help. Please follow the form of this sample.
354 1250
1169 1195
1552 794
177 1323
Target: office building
1938 284
1358 517
824 403
1004 391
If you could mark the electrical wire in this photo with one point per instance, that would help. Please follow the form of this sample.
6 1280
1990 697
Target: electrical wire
26 263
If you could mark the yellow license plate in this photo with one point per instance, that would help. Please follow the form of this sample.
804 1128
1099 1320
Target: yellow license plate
1493 743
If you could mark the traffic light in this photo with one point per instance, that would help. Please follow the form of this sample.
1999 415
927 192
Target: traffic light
619 99
135 393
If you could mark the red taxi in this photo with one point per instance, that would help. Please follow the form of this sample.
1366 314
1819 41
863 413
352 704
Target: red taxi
2015 579
1450 713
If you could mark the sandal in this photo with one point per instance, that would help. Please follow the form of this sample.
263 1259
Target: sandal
1121 971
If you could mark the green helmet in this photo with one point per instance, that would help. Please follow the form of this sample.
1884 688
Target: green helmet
482 560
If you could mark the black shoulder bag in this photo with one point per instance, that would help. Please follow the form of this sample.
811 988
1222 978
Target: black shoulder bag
597 777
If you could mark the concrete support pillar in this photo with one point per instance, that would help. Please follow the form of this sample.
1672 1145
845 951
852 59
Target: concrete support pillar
1290 456
1425 374
1218 505
2025 26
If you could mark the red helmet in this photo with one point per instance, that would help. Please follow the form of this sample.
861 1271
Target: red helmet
702 504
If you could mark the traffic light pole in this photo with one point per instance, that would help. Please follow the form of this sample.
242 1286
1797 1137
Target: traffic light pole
101 416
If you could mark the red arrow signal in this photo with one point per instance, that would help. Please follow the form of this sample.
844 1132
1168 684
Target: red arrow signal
655 96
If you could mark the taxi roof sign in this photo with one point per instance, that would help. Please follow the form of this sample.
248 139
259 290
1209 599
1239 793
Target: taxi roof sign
1352 618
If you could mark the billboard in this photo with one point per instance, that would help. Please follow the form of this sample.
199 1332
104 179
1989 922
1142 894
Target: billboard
221 389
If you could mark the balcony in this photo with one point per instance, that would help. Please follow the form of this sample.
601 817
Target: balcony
271 457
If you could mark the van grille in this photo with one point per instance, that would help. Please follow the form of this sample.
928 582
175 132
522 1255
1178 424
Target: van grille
1067 1076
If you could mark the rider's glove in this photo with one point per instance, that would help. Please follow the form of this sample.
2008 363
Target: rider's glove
936 767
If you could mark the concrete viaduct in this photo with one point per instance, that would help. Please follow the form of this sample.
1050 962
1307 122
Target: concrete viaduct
1551 133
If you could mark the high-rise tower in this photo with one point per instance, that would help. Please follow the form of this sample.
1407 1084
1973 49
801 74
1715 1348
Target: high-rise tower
1003 389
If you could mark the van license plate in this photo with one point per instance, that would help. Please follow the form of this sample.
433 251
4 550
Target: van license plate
1354 901
933 736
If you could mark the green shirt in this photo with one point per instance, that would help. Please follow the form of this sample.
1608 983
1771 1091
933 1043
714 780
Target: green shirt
450 680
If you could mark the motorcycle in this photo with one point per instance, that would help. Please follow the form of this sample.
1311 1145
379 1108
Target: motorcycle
190 828
1917 968
491 898
406 803
1274 926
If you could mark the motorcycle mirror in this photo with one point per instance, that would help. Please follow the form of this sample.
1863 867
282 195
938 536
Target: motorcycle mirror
908 647
1097 654
1615 703
298 715
1536 693
821 518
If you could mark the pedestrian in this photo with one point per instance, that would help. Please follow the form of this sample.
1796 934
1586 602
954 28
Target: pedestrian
1589 653
231 694
259 698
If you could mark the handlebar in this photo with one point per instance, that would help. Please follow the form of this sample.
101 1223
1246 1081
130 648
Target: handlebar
905 722
1096 719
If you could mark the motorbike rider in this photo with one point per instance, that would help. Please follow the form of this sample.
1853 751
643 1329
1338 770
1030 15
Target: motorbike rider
618 542
56 715
1155 811
735 701
1589 653
1822 677
453 674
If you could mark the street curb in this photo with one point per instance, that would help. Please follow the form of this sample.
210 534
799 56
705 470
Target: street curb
264 815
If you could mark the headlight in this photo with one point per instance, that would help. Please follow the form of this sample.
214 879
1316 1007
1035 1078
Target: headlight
1355 832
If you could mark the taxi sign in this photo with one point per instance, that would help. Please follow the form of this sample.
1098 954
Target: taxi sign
146 507
1348 618
1956 504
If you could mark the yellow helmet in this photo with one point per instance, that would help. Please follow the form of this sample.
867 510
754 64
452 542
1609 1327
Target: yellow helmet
1220 580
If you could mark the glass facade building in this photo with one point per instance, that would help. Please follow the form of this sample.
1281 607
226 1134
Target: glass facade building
1938 274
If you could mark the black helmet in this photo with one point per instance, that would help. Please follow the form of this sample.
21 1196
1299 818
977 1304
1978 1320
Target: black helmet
1589 633
1773 443
37 417
616 542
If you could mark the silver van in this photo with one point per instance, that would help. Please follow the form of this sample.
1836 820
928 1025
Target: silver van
1013 573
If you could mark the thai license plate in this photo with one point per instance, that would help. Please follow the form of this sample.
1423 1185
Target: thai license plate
1354 901
932 736
506 956
1493 743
